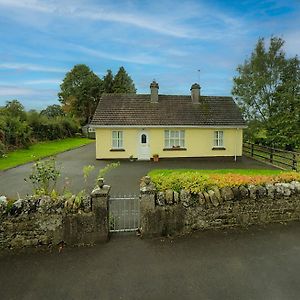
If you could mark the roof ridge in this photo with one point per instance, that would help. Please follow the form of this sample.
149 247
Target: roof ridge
160 95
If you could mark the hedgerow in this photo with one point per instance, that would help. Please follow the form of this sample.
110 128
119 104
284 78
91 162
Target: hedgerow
196 182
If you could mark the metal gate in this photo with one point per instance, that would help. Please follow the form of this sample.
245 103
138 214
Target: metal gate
124 213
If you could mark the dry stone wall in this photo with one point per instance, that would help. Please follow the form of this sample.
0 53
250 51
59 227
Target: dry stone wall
45 222
170 212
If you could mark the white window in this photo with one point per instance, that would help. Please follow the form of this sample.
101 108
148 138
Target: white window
117 139
219 138
174 139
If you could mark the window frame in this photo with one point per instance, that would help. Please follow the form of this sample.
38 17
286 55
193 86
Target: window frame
117 139
218 139
174 139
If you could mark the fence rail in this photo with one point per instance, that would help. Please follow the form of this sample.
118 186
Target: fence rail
278 157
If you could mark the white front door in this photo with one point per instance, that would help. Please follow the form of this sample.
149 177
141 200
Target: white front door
143 146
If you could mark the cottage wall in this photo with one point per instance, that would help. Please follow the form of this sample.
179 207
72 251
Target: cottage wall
198 143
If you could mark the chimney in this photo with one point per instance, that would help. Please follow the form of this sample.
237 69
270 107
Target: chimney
195 93
154 92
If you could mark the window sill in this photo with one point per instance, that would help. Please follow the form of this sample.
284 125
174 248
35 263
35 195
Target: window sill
117 150
218 148
174 149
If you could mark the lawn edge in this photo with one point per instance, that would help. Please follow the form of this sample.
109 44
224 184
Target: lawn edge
34 160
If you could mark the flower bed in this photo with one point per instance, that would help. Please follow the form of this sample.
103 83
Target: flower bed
196 181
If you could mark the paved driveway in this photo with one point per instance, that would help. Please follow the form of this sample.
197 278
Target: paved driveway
258 263
124 180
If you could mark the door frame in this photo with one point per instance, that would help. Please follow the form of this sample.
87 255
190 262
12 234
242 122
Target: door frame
143 156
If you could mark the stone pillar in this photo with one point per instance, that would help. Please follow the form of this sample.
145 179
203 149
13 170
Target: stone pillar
147 206
99 205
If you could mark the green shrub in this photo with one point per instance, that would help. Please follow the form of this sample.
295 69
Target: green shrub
2 149
44 176
102 172
198 181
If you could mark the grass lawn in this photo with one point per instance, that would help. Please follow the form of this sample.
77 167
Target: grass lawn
166 172
40 150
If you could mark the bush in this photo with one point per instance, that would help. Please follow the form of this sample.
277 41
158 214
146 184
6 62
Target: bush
44 176
44 128
195 182
2 149
18 128
17 133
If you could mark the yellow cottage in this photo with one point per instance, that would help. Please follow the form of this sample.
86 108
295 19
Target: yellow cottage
144 125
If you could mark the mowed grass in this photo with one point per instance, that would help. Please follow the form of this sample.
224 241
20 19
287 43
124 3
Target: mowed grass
167 172
40 150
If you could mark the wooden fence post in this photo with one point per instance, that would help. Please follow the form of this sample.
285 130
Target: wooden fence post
271 155
294 162
252 149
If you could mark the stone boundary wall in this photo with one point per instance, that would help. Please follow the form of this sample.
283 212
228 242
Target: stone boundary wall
44 222
171 213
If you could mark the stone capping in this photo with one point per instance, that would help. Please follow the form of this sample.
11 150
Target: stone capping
216 196
42 221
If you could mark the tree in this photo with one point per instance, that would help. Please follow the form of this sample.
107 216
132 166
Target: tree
123 82
53 111
267 89
284 122
80 92
108 81
15 109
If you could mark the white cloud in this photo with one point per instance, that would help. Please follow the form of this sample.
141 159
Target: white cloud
101 14
31 67
292 42
137 59
157 18
14 91
43 81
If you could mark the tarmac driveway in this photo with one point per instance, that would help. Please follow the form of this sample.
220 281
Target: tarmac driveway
124 180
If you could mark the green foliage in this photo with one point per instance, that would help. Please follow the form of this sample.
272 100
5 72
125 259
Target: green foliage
267 89
123 82
44 176
80 93
19 129
192 182
53 111
78 199
44 128
2 149
14 130
108 81
10 204
15 109
17 133
102 172
196 181
87 171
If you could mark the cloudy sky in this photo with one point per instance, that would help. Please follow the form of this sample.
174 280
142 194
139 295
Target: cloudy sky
166 40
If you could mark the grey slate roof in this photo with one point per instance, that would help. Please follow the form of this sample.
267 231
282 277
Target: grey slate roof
171 110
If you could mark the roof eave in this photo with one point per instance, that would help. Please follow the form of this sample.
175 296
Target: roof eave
170 126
